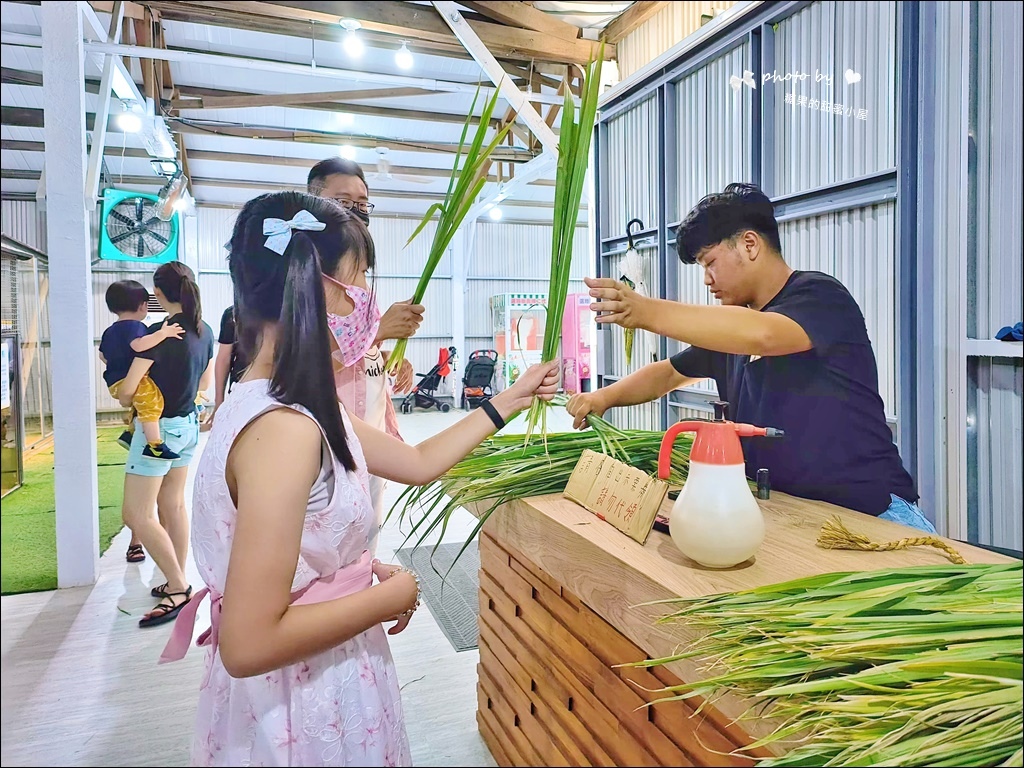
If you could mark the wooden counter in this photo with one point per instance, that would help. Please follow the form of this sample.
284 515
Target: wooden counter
560 595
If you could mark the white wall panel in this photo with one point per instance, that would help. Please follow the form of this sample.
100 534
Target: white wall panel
631 178
213 230
21 222
814 147
662 31
865 262
995 452
713 136
994 275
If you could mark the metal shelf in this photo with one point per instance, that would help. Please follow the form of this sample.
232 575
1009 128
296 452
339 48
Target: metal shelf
994 348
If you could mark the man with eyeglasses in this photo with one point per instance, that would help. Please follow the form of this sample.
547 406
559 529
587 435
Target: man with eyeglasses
363 388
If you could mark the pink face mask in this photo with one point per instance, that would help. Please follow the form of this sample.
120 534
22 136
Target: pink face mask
355 332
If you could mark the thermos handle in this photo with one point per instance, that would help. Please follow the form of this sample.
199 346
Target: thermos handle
665 453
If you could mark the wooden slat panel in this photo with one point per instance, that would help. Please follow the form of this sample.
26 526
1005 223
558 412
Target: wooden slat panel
494 744
501 718
538 752
612 691
548 749
539 661
568 731
708 735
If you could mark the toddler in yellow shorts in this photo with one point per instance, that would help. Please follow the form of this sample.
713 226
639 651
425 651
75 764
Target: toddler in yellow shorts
119 345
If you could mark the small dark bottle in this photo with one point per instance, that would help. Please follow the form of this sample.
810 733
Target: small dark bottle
764 485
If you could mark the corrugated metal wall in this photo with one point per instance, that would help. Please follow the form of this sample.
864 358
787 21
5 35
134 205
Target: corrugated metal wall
630 179
995 433
630 184
994 271
662 31
995 436
713 135
21 222
814 148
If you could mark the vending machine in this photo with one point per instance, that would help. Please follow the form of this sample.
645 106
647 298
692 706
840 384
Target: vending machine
519 322
577 331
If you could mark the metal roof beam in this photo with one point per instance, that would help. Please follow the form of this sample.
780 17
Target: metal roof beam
518 100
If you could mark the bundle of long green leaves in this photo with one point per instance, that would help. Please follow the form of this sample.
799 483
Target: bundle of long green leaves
504 468
912 667
575 133
469 174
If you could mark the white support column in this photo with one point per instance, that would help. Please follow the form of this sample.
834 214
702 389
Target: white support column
71 331
99 128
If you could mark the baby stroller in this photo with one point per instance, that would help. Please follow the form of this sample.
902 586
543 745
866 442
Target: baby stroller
422 395
476 381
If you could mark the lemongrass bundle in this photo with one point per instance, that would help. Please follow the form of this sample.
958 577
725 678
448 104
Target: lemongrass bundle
573 160
469 174
503 469
912 667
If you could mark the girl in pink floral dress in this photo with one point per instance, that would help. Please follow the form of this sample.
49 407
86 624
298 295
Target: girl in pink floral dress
298 667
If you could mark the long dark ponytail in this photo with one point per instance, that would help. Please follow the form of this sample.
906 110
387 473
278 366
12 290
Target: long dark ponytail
178 283
287 289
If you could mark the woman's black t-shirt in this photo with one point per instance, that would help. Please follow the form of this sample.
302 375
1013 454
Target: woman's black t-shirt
837 446
229 336
178 365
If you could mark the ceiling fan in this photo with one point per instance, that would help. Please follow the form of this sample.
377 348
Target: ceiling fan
384 170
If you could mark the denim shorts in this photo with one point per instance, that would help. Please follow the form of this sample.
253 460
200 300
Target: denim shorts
905 513
181 435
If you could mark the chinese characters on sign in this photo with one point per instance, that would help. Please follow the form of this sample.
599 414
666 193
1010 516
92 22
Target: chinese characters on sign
826 106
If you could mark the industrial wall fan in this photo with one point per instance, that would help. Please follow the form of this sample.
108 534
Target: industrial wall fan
139 227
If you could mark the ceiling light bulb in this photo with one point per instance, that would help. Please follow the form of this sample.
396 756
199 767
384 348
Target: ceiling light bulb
403 57
180 204
129 122
345 119
353 44
495 213
347 151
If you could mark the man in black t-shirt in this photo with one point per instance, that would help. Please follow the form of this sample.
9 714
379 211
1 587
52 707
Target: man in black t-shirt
788 349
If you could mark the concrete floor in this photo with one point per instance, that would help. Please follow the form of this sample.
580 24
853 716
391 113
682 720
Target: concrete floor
81 686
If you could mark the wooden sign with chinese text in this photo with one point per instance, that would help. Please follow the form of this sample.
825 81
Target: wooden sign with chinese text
624 496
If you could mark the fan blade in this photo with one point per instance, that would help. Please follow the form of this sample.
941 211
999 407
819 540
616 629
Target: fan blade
158 237
140 249
115 239
413 179
140 209
115 214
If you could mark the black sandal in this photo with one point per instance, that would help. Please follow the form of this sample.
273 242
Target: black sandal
135 553
163 612
160 591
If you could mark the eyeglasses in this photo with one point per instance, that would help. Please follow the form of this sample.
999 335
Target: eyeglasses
348 205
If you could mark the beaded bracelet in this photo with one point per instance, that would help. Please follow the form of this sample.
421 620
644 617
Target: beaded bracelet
419 591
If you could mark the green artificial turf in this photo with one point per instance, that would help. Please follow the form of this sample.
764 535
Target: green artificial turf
28 531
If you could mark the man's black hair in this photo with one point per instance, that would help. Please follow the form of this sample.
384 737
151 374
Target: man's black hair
723 215
317 179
